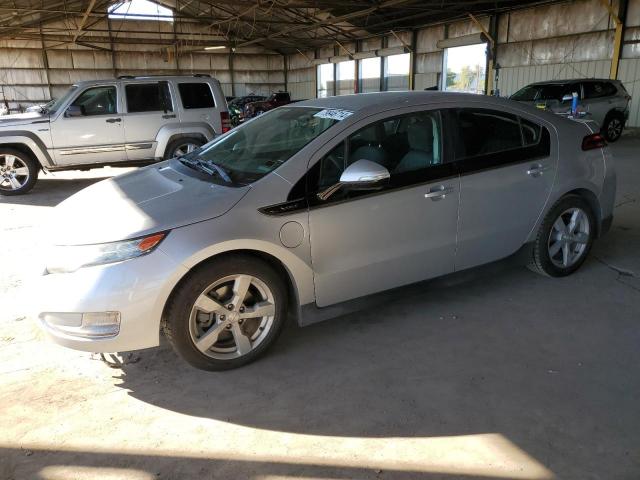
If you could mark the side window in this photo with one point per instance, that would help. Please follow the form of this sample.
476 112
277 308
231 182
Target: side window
484 132
531 132
407 146
609 89
595 90
196 95
97 101
148 97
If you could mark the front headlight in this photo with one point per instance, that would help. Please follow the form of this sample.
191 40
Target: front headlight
65 259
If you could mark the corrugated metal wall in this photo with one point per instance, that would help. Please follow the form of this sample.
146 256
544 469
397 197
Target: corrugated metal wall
24 80
567 40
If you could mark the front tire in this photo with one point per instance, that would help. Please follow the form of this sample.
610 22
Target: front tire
613 126
564 238
18 172
227 313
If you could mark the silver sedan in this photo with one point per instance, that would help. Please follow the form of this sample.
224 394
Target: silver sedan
310 210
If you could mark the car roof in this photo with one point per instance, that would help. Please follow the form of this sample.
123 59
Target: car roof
380 101
83 83
572 80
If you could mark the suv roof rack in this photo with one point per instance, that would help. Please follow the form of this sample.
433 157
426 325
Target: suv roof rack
129 77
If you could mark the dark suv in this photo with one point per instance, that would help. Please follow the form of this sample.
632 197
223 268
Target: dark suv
607 101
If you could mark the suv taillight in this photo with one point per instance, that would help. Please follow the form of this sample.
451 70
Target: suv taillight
226 121
593 141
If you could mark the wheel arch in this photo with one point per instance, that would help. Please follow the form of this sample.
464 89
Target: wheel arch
593 202
168 134
277 264
30 145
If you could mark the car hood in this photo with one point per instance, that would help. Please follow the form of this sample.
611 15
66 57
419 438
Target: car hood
151 199
21 118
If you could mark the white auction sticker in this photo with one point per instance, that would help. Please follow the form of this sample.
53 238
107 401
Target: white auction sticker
334 114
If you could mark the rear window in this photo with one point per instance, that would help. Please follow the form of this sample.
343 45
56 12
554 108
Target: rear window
148 97
196 95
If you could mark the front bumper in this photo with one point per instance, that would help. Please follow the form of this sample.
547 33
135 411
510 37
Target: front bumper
135 291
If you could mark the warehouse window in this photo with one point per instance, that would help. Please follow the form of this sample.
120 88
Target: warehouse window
346 77
396 72
465 67
325 80
370 74
196 95
140 10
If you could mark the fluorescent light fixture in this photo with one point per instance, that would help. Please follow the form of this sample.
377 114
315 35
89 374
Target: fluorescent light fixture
217 47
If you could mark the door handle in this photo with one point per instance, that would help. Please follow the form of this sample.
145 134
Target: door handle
113 120
537 170
438 193
169 116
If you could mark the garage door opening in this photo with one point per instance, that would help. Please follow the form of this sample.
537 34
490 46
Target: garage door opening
466 68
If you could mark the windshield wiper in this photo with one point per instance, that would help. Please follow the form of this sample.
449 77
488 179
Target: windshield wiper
206 167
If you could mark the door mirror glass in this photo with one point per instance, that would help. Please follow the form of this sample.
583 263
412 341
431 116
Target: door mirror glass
74 111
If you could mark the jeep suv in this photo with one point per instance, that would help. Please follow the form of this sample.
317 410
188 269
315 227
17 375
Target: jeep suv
124 121
607 101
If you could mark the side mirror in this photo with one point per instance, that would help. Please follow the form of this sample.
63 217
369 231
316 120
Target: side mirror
74 111
567 98
360 175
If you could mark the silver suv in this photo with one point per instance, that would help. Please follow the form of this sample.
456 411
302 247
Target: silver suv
313 208
124 121
606 101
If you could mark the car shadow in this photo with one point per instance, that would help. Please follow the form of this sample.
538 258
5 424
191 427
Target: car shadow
514 354
49 192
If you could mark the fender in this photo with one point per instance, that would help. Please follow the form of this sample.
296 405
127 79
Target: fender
32 141
191 128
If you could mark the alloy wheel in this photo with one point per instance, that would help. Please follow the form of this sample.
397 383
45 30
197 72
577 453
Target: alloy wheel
614 128
231 317
184 148
569 238
14 173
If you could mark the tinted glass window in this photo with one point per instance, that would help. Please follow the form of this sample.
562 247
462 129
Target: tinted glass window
552 91
196 95
97 101
486 131
148 97
598 89
530 132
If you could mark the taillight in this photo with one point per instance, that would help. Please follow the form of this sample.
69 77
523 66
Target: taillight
593 141
226 121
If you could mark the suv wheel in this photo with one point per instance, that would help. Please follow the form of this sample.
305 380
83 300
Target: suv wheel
18 172
613 126
227 313
182 146
565 238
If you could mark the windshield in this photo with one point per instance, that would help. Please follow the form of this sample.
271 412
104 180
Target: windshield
61 101
253 150
531 93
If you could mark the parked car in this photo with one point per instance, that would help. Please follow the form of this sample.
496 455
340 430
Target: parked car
236 107
607 101
124 121
311 206
258 108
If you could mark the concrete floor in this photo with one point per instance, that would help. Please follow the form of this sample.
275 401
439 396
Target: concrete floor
509 375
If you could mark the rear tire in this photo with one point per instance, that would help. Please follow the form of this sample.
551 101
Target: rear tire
227 313
182 146
18 172
613 126
564 238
